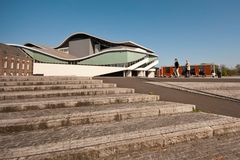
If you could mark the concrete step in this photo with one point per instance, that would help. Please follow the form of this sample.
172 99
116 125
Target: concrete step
224 147
50 82
41 78
74 101
53 118
101 140
56 87
62 93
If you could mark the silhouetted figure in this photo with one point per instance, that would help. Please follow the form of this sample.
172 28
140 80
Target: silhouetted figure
202 73
176 65
188 68
213 71
219 72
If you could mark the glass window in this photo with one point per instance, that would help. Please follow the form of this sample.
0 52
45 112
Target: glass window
27 66
23 66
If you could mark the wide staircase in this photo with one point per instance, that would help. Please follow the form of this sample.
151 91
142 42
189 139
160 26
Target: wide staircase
81 118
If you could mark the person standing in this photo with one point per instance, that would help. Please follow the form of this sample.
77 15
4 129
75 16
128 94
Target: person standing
219 72
176 65
187 68
213 71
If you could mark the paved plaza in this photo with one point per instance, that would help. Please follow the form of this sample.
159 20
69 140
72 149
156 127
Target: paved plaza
204 102
229 90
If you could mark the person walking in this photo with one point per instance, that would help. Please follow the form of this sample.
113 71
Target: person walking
187 68
176 65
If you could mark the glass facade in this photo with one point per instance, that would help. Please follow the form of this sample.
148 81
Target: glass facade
111 58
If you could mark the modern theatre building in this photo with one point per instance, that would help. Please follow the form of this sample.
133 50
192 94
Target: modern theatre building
82 54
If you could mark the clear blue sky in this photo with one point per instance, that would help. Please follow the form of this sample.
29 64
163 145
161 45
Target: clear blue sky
198 30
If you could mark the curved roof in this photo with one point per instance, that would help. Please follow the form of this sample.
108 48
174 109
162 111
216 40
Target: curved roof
50 51
113 47
85 35
11 50
60 55
32 45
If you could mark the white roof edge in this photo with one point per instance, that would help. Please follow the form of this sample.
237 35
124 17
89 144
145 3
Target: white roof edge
34 45
18 45
102 39
75 59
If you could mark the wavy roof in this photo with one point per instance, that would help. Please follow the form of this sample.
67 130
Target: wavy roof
50 51
116 46
85 35
60 56
11 50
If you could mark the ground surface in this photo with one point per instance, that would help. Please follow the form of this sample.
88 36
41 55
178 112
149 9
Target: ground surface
227 89
203 102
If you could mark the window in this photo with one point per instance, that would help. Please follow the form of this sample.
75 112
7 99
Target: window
5 74
17 74
27 66
17 65
167 69
23 66
192 70
11 65
5 64
64 50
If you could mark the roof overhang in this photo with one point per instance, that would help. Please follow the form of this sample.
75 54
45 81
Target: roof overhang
129 43
82 58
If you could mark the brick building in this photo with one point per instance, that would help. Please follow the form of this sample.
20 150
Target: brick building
14 62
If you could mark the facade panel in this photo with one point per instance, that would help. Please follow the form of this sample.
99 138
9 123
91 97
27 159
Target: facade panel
81 48
39 57
113 58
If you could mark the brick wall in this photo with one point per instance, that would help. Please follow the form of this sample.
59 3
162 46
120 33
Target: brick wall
14 62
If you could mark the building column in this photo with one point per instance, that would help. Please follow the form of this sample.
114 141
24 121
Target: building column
141 73
128 73
151 74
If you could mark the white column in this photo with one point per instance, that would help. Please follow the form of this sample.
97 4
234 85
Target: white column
151 74
141 73
128 73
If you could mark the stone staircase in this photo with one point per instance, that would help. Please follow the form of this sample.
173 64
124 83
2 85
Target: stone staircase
82 118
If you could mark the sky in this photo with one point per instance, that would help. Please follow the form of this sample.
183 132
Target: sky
202 31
